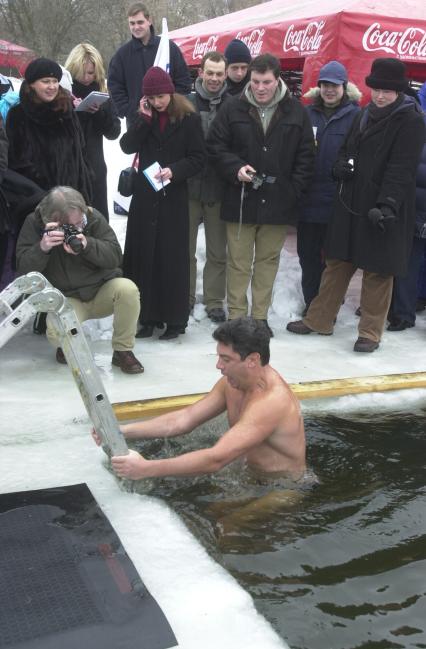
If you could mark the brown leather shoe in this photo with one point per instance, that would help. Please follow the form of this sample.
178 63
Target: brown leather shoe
299 327
127 362
60 356
365 345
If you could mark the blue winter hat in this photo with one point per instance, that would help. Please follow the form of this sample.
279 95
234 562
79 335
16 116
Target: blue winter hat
237 52
333 72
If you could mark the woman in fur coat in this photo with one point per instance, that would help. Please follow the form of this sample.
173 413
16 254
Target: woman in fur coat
46 143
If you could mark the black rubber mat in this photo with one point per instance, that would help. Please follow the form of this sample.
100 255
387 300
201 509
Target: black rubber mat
66 581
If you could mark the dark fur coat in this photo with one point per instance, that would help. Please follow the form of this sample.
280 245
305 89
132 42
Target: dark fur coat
46 143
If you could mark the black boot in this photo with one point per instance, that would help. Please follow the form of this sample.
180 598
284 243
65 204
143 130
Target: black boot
145 331
172 331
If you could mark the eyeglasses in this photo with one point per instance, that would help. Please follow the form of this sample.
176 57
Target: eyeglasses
80 225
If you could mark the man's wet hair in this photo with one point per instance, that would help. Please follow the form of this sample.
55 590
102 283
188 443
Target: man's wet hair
245 336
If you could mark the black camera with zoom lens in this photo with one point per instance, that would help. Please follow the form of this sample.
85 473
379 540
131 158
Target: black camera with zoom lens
70 236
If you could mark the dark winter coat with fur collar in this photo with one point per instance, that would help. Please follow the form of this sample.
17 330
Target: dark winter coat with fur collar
46 143
330 134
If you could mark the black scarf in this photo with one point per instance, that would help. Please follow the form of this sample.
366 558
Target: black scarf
376 114
81 91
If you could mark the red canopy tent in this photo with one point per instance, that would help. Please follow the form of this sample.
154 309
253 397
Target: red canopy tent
304 38
15 56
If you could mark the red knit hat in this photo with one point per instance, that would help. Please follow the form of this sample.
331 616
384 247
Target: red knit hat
157 82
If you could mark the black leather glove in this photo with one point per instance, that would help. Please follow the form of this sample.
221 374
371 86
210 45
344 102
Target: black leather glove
343 170
380 216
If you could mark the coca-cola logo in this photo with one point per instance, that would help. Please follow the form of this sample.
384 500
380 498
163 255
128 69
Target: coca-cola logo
202 47
407 43
306 40
254 40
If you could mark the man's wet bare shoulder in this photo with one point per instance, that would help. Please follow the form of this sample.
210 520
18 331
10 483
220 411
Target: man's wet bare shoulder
272 408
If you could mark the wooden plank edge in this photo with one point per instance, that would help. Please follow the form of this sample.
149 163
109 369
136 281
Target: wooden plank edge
145 408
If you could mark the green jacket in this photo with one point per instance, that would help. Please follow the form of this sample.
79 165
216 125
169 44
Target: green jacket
79 276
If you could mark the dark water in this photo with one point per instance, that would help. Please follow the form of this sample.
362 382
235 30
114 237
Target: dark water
344 567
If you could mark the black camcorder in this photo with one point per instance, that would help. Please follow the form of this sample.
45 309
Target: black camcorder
257 180
70 236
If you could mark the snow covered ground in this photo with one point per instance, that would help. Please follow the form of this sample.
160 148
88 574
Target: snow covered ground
45 441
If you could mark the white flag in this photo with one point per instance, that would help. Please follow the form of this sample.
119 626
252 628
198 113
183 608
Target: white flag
162 58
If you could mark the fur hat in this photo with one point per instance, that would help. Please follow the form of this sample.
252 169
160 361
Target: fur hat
387 74
333 72
237 52
157 82
42 68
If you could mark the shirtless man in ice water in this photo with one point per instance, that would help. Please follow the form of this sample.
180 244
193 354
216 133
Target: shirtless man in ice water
266 425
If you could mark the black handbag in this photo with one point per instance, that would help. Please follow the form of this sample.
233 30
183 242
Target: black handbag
127 179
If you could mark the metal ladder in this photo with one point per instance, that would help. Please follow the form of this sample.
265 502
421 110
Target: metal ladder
38 295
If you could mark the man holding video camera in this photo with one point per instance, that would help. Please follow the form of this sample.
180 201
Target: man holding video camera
262 144
74 247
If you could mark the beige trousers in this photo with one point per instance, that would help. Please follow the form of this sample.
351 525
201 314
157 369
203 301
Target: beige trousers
376 295
119 297
253 258
214 274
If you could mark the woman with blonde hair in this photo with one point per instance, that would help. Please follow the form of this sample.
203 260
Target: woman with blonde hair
168 132
86 67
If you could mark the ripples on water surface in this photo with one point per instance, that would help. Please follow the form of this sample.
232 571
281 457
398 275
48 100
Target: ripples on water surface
344 567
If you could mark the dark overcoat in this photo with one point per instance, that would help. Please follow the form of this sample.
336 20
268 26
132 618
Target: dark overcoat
3 149
386 155
104 123
156 253
4 212
207 186
46 145
421 193
129 65
286 152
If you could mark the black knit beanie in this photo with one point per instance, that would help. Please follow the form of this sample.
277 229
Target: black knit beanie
41 69
237 52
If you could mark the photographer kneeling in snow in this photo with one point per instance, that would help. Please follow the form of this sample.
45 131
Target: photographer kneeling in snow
85 267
